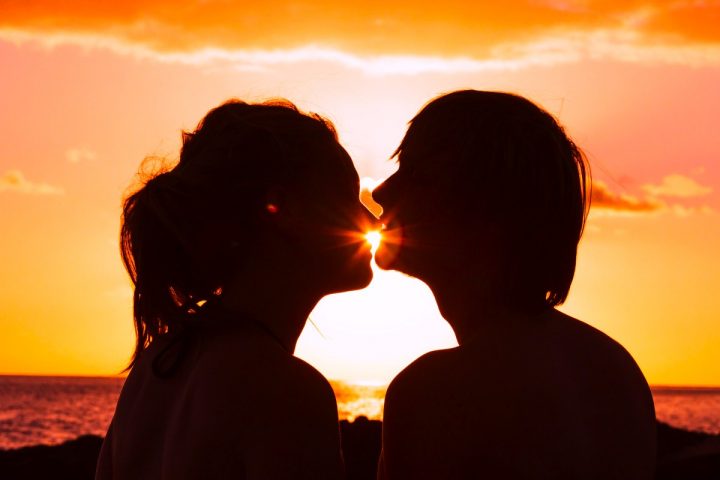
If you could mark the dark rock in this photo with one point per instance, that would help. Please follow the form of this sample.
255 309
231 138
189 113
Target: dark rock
686 455
682 455
361 442
72 460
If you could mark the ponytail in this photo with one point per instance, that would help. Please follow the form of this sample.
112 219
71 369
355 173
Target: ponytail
155 253
184 229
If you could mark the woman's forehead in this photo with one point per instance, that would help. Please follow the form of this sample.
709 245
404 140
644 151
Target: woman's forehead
342 165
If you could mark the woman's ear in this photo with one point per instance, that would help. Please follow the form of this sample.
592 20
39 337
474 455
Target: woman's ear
274 202
279 208
285 211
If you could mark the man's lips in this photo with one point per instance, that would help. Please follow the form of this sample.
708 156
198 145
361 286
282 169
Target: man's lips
391 231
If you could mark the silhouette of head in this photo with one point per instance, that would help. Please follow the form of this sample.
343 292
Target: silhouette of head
254 181
489 189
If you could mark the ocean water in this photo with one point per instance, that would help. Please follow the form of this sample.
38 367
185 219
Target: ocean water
50 410
691 408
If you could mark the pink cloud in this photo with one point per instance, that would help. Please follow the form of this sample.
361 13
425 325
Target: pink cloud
677 186
15 181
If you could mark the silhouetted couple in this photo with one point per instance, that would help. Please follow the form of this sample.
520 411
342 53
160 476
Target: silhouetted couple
232 248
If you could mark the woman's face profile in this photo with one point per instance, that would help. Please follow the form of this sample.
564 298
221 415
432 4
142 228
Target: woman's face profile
334 224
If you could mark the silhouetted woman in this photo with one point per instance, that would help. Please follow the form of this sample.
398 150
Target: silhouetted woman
487 207
229 251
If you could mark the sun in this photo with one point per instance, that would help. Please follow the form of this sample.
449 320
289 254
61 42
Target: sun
374 238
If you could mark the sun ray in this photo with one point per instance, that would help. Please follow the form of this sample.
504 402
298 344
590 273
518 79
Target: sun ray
373 237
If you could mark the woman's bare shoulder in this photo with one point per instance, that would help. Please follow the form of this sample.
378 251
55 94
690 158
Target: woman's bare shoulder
255 374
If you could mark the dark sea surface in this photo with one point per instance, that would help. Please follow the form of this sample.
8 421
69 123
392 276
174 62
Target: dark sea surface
50 410
691 408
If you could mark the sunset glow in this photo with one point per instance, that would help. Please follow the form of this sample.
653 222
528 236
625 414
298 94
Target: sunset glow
90 91
373 238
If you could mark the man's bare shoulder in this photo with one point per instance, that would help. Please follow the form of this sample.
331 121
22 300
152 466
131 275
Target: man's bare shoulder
601 350
424 368
566 326
558 350
422 384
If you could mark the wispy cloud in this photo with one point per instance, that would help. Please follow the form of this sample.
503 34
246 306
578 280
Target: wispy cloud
607 201
379 39
258 59
78 155
15 181
677 186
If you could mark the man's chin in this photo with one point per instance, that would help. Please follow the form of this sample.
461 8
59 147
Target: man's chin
352 280
395 259
386 257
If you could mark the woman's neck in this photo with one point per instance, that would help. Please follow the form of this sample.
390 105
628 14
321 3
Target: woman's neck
274 300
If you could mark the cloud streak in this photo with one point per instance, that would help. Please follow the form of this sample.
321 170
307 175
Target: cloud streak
15 181
78 155
258 60
377 39
605 200
677 186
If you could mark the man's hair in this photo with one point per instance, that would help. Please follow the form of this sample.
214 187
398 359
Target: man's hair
510 166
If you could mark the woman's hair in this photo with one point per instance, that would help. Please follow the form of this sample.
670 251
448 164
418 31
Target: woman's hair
183 231
512 168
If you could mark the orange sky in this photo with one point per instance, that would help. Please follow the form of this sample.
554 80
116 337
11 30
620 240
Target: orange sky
88 91
376 27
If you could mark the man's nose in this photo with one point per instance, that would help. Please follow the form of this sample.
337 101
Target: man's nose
366 198
369 219
380 196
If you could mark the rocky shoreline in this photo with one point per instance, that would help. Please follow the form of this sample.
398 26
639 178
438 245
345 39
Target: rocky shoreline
682 455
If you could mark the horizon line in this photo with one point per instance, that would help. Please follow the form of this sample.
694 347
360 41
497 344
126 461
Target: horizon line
360 383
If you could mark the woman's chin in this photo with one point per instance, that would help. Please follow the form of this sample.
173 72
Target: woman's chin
365 279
